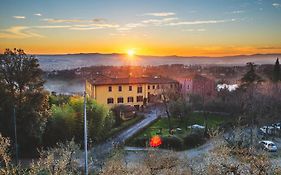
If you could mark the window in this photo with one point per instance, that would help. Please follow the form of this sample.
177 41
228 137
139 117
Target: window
171 85
120 100
109 88
119 88
139 89
148 87
139 98
158 87
153 87
110 101
130 99
130 88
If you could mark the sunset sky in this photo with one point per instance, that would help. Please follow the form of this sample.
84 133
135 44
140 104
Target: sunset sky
149 27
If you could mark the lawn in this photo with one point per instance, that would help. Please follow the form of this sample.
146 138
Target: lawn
160 127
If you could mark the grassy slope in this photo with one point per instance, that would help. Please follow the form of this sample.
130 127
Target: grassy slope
213 120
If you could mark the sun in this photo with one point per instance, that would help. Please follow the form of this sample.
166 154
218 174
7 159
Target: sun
131 52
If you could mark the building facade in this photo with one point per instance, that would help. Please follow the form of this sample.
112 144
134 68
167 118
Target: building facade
197 84
132 91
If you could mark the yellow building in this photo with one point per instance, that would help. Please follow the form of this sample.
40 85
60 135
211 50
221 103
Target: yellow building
127 91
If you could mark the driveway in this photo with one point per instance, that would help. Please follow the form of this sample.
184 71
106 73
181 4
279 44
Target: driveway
100 152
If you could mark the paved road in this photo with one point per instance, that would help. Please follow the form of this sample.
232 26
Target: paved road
100 152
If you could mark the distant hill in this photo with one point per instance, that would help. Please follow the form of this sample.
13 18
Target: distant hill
70 61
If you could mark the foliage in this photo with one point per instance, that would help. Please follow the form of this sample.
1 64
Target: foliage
66 121
228 160
251 76
117 110
193 140
181 139
58 99
4 155
155 162
6 166
59 160
172 142
63 159
180 108
21 87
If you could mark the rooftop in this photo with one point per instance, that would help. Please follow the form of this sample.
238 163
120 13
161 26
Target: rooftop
103 80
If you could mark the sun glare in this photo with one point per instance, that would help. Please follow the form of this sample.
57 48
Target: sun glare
131 52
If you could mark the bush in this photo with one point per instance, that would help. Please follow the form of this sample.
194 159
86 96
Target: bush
66 122
172 142
140 142
194 140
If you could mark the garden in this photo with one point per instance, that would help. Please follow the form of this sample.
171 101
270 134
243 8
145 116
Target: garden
186 132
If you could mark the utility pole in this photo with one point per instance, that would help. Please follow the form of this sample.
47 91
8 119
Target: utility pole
15 135
85 133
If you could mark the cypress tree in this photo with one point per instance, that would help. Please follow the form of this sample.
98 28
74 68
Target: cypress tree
276 71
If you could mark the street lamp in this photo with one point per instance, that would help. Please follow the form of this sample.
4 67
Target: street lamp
15 134
85 133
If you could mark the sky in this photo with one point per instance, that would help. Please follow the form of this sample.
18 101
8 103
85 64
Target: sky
148 27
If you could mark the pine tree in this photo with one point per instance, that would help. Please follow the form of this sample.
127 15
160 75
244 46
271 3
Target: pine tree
276 72
251 76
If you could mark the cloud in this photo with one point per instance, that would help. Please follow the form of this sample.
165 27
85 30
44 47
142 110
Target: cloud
194 30
199 22
134 25
160 14
19 32
52 27
52 20
270 48
276 5
201 30
124 28
98 20
238 12
93 26
19 17
37 14
158 21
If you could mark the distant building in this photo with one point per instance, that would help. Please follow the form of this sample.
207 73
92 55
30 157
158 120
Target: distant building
229 87
132 91
197 84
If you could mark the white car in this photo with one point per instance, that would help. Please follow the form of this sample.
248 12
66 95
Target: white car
267 129
196 127
277 125
268 145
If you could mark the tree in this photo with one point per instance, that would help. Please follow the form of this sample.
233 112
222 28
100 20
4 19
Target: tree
66 121
276 71
180 108
167 96
22 89
251 76
117 110
250 82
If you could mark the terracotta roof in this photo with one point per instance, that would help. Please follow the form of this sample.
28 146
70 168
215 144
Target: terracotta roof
194 77
131 80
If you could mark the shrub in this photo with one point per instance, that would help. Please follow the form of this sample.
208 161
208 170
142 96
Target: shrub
172 142
193 140
141 142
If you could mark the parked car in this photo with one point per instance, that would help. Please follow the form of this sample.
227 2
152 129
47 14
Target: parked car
267 129
268 145
277 125
196 127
